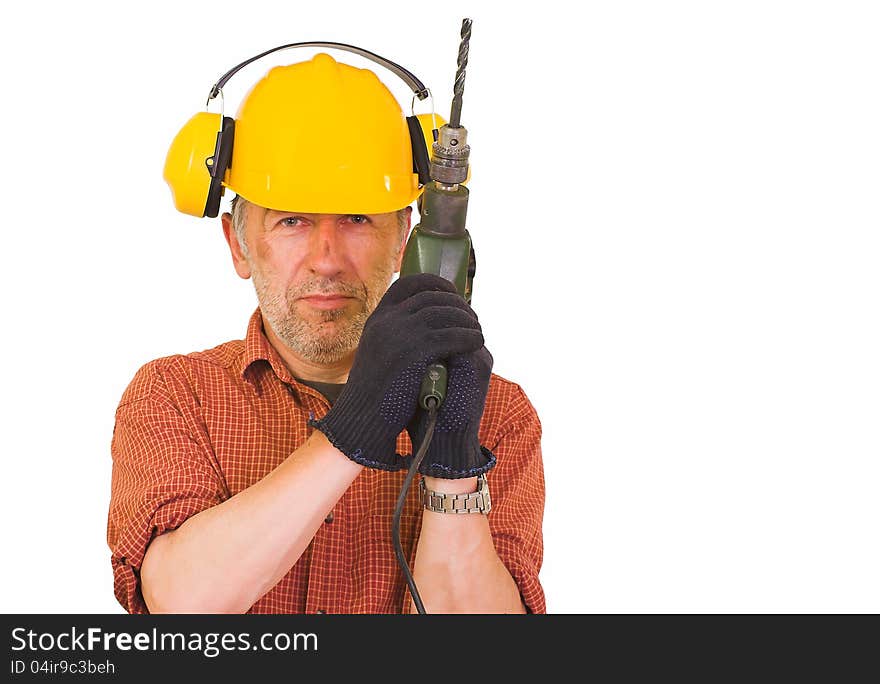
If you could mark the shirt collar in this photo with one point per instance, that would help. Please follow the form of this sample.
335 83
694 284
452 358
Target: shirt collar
258 348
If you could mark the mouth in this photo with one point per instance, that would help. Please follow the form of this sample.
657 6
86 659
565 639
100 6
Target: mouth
326 301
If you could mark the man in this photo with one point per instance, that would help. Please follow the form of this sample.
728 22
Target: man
261 475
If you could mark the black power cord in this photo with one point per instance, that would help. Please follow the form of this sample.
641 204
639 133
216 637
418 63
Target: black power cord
401 498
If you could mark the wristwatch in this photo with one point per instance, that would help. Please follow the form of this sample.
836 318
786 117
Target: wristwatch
476 502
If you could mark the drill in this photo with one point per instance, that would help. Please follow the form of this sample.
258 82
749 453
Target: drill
439 244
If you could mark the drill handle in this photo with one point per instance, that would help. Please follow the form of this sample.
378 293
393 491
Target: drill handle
451 258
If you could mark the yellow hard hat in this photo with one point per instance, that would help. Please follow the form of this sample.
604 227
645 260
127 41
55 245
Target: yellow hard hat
317 136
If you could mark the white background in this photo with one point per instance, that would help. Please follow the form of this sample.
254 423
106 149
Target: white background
675 212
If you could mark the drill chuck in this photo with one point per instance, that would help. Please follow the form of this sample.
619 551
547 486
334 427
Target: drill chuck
450 154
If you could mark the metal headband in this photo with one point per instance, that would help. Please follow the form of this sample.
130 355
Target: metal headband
418 88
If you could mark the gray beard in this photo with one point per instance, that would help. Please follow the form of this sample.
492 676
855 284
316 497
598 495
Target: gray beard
306 337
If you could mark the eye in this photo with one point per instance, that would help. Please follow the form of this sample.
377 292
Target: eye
359 219
291 221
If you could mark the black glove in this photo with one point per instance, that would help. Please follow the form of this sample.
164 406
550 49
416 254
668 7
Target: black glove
420 320
455 449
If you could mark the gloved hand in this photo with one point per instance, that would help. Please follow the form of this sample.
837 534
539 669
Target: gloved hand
455 449
420 319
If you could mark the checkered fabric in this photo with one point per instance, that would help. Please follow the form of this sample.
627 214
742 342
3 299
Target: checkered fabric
192 431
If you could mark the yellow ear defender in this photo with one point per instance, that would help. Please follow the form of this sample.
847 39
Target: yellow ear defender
317 136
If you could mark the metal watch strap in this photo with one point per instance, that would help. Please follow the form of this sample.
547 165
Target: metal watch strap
439 502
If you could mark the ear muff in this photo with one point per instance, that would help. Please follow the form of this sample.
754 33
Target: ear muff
201 154
197 162
421 159
217 165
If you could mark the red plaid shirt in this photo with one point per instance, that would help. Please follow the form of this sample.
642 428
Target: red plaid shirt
192 431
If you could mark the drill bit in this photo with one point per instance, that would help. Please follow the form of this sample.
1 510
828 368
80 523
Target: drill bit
458 89
450 152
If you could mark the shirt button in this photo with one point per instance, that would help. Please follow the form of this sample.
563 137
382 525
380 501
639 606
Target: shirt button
320 612
329 518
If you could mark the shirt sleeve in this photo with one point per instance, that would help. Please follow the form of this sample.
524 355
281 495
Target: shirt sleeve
164 472
516 485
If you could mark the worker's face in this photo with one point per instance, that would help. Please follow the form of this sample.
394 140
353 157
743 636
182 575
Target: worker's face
294 255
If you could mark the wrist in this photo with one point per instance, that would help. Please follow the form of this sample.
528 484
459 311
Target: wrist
465 485
370 448
462 461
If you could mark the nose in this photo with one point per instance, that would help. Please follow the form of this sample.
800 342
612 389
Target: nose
326 248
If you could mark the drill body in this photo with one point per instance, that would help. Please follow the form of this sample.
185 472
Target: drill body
440 243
